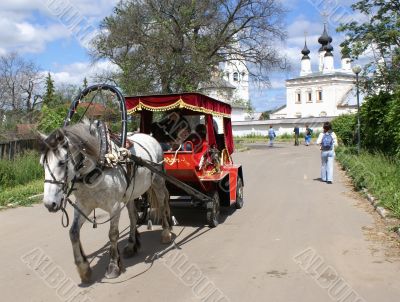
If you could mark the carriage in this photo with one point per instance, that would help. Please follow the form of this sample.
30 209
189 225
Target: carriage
196 134
202 158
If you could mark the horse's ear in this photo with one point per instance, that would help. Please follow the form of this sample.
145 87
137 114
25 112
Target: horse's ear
59 135
42 136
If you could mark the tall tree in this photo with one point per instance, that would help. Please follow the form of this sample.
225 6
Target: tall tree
49 97
19 82
379 34
85 83
173 45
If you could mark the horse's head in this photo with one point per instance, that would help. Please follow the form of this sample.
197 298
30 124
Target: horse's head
67 153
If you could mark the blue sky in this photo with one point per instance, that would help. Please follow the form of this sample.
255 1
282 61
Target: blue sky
41 30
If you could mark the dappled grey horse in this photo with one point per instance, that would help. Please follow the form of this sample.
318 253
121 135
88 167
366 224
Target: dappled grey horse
71 157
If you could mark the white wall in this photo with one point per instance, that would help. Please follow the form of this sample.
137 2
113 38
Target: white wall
281 126
334 88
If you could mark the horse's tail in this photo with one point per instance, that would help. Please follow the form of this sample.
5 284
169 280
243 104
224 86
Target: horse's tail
158 198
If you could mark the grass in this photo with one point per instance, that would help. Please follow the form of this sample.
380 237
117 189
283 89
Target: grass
376 172
20 179
20 195
22 170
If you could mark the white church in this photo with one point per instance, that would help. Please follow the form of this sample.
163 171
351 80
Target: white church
230 84
326 92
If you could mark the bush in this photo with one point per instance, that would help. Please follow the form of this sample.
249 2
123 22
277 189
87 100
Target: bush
23 169
345 128
376 172
375 133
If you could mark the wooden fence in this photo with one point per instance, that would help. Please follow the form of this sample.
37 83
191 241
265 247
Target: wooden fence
8 150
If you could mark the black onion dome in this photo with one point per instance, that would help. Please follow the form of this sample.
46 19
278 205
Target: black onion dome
305 52
325 38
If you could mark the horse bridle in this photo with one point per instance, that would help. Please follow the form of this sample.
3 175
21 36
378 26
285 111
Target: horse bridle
63 183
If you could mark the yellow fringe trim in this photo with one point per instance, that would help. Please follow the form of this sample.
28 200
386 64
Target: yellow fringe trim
178 104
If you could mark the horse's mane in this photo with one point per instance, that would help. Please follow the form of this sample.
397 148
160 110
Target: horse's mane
79 135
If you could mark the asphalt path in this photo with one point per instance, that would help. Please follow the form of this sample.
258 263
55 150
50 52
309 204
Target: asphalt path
296 239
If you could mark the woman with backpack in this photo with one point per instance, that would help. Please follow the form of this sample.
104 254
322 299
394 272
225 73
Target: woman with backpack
327 141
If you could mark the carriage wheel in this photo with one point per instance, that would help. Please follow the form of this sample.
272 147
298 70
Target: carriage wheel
213 210
239 194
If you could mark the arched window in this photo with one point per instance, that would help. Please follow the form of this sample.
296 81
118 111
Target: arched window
323 113
235 77
319 95
298 97
309 96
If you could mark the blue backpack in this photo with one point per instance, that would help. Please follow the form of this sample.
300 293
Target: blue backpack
327 142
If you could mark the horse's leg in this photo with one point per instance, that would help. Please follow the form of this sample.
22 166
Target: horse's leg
134 241
74 233
161 193
166 236
114 267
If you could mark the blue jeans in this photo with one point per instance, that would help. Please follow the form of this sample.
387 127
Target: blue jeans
327 158
308 139
271 140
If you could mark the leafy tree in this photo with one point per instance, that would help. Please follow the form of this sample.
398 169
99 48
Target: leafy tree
375 133
173 45
345 128
379 34
265 115
85 83
49 97
393 123
65 93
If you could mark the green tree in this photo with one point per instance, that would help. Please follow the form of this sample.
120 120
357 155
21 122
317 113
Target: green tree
173 45
375 132
49 97
379 35
85 83
345 128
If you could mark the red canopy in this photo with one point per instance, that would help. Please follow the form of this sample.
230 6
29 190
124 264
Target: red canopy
192 101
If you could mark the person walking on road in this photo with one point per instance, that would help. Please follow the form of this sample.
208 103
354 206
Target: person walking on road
327 141
271 135
296 131
308 135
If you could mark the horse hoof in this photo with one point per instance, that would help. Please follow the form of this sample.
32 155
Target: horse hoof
85 274
130 250
113 271
166 237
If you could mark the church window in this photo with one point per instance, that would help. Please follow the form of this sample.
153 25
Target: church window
309 97
319 96
298 97
235 76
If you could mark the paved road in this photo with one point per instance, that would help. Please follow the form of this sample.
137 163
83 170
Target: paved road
296 239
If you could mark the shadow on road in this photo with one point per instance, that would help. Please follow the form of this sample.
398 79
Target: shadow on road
151 244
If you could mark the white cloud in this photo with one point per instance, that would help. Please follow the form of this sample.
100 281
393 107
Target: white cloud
28 25
75 73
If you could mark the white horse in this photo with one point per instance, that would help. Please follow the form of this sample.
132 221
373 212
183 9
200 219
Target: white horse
70 158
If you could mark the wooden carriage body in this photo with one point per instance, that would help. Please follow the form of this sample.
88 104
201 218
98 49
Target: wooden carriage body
207 167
